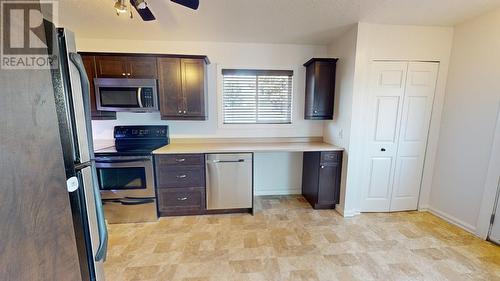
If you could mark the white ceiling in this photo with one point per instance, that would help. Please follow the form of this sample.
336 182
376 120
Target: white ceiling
261 21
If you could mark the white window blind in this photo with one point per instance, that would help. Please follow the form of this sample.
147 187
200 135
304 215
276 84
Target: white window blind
257 96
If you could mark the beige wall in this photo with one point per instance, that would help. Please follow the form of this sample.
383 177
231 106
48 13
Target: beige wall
468 123
387 42
282 175
221 55
337 131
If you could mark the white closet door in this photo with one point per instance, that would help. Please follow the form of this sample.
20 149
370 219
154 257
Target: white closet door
415 119
386 91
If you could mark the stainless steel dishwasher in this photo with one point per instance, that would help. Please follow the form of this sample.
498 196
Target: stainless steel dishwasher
229 181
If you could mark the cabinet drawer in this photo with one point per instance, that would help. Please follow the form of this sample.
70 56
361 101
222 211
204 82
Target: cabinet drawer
331 156
174 177
180 201
181 160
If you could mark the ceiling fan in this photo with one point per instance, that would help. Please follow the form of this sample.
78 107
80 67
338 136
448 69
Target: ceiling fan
142 7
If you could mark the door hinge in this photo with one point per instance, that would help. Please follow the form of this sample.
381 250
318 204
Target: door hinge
492 218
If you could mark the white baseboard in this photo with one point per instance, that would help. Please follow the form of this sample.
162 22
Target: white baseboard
291 191
347 213
423 208
451 219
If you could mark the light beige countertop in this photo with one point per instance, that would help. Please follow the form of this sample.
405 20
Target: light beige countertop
257 145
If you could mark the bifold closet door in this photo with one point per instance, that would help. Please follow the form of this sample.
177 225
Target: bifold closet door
386 92
415 120
400 102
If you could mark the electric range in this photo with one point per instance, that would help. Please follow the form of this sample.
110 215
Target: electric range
126 175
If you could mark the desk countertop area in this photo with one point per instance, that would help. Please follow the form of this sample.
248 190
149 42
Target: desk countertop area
222 147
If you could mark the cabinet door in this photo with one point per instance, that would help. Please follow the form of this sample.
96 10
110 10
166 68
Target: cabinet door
309 99
329 179
193 88
310 176
324 90
170 90
141 67
111 66
89 64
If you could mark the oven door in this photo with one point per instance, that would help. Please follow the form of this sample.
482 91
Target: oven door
119 94
125 177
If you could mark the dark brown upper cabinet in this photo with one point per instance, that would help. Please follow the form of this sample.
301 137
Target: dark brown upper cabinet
117 66
89 64
181 79
320 88
182 88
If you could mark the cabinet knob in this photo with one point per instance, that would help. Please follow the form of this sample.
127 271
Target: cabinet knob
322 166
180 111
128 74
184 112
123 74
315 111
382 149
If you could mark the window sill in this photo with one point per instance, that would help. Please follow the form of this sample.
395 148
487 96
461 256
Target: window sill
255 126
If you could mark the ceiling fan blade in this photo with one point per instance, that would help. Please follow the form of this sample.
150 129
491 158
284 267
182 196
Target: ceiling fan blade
145 13
193 4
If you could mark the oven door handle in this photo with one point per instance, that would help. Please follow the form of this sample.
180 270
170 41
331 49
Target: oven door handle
123 161
137 202
130 201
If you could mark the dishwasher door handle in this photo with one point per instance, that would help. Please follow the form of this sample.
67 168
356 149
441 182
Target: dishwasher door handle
228 161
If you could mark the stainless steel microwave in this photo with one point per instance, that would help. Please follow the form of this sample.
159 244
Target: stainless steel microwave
122 94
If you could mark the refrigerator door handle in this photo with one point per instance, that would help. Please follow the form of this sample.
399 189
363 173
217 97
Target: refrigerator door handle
101 223
76 59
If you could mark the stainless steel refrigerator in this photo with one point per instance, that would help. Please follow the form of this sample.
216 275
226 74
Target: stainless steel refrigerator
52 225
72 98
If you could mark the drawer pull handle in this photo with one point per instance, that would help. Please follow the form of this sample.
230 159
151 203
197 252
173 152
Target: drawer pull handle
182 198
180 160
181 176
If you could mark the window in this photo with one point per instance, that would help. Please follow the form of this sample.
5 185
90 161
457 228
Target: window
257 96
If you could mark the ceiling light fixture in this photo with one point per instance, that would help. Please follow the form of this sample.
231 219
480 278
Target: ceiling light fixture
140 4
120 7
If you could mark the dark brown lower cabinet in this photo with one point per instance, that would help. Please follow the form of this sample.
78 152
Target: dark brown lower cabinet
181 201
180 184
321 178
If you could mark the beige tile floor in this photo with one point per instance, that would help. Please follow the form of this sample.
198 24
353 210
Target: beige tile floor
287 240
